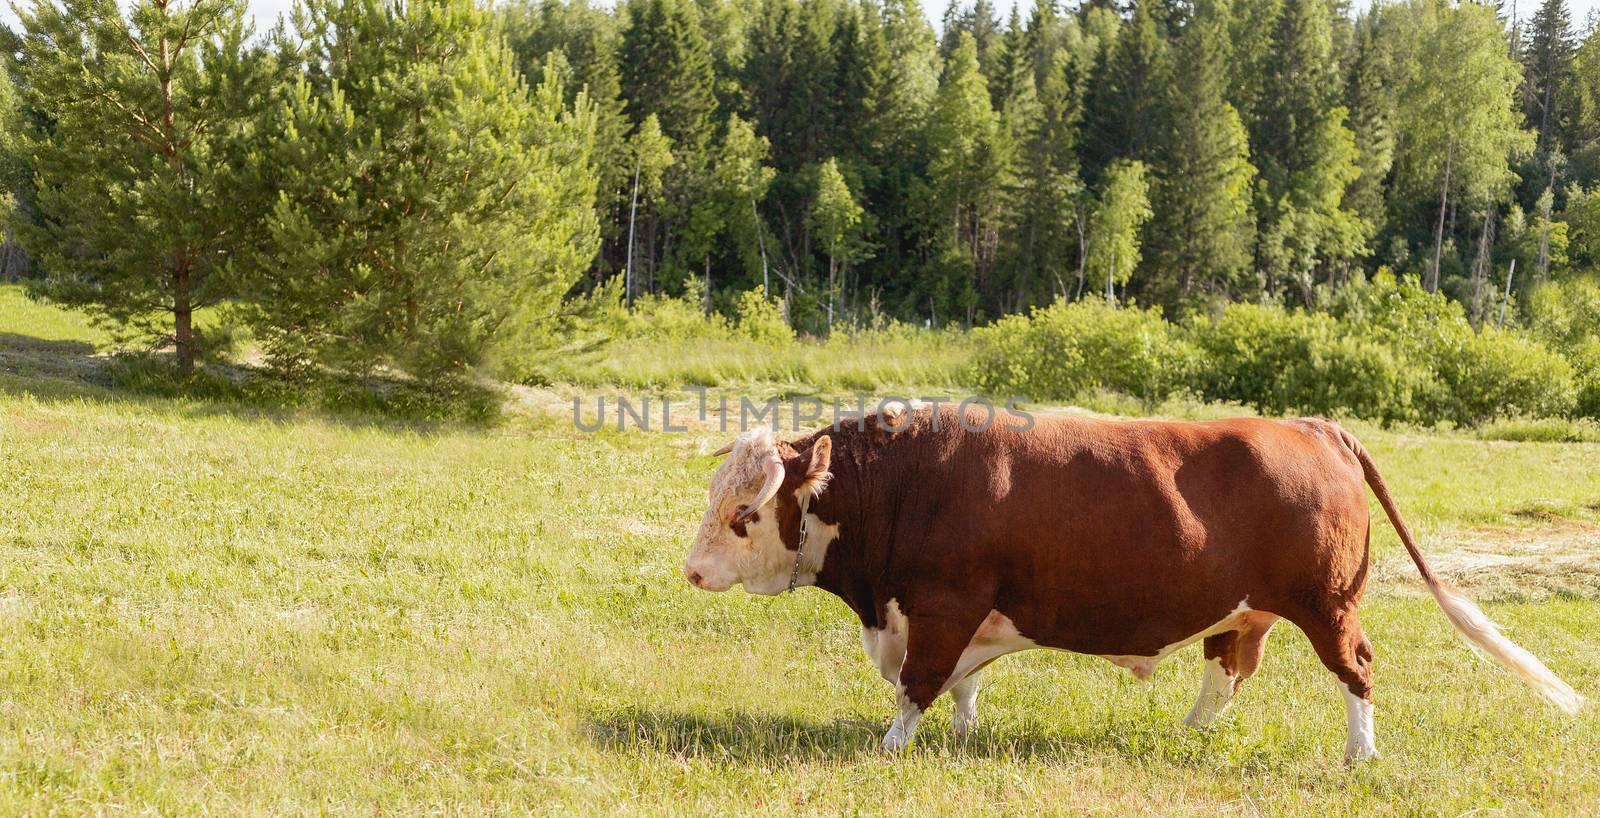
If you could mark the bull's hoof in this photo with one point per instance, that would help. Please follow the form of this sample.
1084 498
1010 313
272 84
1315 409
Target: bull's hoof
896 740
963 723
1356 753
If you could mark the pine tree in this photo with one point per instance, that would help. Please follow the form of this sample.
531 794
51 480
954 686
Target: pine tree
1010 65
1046 34
1548 66
1049 211
898 191
1201 232
966 169
586 39
667 71
1370 95
980 21
428 208
1252 25
1305 154
1124 116
136 210
1583 96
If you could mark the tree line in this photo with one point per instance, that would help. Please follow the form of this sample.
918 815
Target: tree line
431 184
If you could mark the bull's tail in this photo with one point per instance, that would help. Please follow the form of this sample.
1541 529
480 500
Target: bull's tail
1468 618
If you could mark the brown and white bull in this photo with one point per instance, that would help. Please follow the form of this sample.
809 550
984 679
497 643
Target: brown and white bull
1127 540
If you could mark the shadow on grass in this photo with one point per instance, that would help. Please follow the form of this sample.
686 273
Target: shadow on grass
58 371
743 736
27 356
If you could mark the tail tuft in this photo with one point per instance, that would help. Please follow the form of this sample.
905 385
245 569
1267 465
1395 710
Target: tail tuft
1478 629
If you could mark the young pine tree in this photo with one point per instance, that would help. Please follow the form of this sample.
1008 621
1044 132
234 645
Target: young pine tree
428 207
135 216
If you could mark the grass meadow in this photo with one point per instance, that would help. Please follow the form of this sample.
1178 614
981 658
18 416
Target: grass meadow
218 607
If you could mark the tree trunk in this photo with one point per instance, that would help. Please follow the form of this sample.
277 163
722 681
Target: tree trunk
1438 233
761 241
633 217
832 266
183 319
1543 268
1480 269
1509 273
1083 256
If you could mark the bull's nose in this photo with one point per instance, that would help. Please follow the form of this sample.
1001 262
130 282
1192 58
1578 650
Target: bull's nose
694 577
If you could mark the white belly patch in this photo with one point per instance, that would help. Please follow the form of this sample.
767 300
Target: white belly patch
1143 666
998 636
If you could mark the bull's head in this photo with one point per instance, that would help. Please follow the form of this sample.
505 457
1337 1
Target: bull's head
741 539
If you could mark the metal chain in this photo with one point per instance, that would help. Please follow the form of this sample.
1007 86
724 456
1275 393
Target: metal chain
800 550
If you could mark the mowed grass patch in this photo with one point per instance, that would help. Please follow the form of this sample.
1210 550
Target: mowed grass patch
232 613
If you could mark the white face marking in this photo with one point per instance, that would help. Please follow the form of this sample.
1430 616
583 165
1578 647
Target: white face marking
1361 743
1144 666
1216 692
759 560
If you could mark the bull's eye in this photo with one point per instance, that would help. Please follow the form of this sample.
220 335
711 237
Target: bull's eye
738 521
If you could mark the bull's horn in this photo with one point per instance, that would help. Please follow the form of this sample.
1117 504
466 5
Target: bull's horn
722 451
769 489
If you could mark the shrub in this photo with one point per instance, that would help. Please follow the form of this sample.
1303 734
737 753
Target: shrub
1585 360
1291 362
761 319
1498 373
665 318
1063 351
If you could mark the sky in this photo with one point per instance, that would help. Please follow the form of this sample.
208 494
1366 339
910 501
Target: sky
267 11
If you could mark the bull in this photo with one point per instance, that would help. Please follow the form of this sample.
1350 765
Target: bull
956 544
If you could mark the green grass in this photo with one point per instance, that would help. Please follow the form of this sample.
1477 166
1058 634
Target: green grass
209 609
863 362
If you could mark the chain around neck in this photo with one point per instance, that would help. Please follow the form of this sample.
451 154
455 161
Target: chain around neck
800 550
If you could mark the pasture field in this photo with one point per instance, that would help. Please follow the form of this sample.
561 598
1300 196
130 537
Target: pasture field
219 608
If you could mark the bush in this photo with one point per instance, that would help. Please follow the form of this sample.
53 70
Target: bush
1566 315
665 318
1064 351
761 319
1502 373
1295 363
1585 360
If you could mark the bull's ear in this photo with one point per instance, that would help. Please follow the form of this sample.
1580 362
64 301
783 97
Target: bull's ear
817 474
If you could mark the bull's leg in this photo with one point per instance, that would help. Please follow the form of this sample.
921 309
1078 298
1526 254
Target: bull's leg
1231 658
1344 649
933 647
965 693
